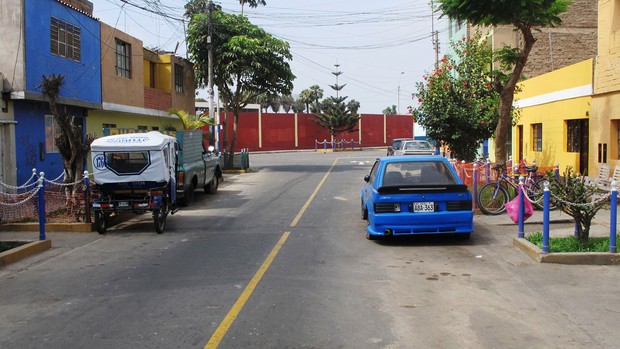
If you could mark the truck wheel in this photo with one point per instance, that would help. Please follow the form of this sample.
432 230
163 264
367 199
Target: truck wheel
188 198
211 187
101 222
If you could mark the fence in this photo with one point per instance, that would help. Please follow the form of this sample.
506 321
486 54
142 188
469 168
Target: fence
40 197
336 145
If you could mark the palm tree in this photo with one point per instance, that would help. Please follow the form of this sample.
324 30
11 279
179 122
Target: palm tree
353 106
317 93
306 98
287 103
252 3
274 103
192 122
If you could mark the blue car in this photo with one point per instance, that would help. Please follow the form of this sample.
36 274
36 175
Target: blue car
407 195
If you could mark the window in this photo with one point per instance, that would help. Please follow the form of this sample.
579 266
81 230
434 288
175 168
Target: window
178 78
151 75
155 128
123 59
537 137
143 128
64 39
573 135
52 131
127 163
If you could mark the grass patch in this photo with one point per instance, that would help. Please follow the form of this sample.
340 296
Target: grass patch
571 244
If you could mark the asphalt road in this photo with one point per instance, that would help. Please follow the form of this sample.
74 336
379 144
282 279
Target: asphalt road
278 259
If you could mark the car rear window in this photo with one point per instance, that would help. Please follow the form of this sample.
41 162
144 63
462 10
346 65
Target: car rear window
417 172
418 146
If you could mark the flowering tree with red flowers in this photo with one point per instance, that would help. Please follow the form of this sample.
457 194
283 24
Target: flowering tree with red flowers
458 105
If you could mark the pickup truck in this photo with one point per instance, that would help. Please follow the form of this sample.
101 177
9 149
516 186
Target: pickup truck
197 167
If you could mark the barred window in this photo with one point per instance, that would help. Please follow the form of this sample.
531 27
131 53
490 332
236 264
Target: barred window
573 136
65 39
537 137
123 59
52 131
178 78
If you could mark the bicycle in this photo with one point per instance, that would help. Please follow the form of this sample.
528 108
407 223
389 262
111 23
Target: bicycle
493 196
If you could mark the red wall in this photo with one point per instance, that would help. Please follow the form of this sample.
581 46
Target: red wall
278 131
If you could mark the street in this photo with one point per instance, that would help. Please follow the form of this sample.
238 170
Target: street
278 259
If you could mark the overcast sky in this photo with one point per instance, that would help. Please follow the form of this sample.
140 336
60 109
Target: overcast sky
381 46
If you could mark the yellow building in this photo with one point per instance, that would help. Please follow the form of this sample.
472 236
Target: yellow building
553 123
605 118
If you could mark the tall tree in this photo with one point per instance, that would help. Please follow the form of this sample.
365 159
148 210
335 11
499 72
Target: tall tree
390 110
307 98
525 16
287 102
336 117
252 3
298 106
316 93
353 106
275 104
72 144
457 102
248 62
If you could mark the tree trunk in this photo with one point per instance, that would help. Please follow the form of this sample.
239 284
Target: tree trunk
507 95
233 141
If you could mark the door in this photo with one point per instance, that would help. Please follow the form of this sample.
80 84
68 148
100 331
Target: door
584 131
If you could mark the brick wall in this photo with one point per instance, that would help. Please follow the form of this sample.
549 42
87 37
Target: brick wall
155 99
572 42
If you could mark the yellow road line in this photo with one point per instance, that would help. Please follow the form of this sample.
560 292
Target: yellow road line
224 326
316 190
221 330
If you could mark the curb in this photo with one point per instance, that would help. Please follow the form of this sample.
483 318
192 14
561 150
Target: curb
49 227
574 258
28 249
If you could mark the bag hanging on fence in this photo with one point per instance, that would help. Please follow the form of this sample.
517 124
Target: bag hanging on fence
512 207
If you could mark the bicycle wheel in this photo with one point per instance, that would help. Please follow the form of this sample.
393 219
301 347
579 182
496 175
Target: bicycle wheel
491 199
535 191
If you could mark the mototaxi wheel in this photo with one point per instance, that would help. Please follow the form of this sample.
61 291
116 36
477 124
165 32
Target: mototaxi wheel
101 222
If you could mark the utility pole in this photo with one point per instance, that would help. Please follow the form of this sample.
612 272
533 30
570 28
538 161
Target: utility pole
434 36
210 61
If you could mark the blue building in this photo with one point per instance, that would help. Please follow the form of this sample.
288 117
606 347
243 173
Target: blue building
44 38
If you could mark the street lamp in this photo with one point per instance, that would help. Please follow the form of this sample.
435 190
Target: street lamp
398 94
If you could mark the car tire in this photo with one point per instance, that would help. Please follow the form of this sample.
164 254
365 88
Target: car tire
211 187
364 213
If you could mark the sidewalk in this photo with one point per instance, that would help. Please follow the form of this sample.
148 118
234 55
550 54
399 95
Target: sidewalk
559 222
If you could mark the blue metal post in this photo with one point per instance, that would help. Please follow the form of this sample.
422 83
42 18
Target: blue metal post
488 169
41 194
613 210
546 201
87 197
475 194
325 146
521 208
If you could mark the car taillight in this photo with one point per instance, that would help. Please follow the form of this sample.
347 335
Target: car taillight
181 177
387 207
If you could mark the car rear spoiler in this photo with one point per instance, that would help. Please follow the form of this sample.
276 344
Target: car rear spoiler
422 188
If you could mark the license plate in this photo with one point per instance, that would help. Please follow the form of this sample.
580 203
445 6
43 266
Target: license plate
424 206
123 204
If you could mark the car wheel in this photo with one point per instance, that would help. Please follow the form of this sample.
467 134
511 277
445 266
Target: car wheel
211 187
187 199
